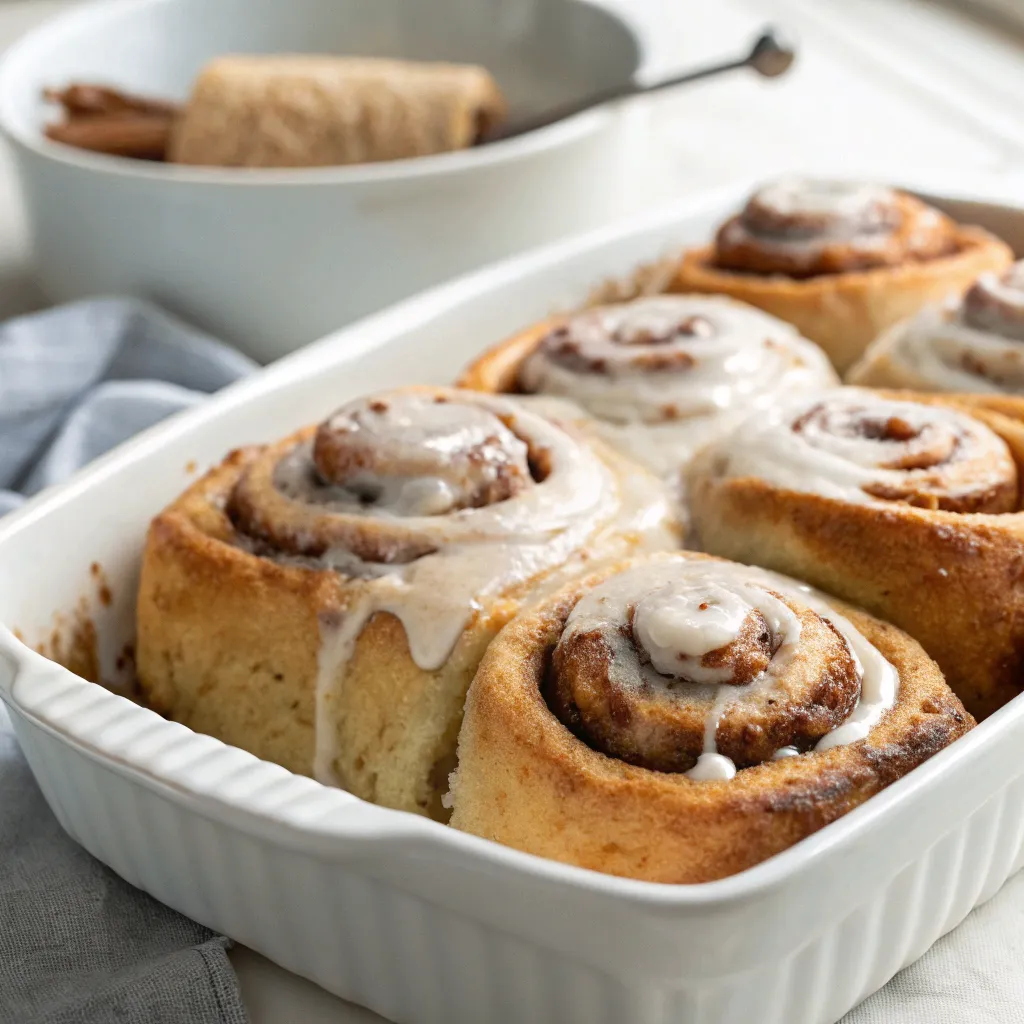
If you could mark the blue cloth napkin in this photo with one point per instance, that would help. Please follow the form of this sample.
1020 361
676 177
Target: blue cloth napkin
77 944
77 380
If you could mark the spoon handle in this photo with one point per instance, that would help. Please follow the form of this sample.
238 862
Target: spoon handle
769 56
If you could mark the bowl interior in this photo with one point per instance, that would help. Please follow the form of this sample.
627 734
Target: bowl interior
542 53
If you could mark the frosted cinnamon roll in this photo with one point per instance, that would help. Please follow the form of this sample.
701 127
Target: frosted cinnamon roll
910 508
841 261
681 718
660 375
323 602
974 343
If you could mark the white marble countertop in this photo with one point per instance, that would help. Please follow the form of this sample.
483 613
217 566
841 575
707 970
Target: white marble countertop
882 87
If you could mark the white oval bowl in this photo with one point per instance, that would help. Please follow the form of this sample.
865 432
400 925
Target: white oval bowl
272 259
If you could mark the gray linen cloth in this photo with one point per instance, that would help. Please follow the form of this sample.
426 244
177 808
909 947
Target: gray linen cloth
77 944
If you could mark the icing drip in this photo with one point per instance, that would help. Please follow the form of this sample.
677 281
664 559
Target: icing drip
663 657
664 375
435 502
712 766
856 446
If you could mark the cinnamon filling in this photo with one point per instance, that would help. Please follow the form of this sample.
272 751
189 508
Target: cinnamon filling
738 662
370 475
933 464
805 229
429 464
905 445
649 344
688 669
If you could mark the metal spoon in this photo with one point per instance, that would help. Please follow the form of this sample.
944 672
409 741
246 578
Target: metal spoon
770 57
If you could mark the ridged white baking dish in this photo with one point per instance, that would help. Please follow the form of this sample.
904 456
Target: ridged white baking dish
417 921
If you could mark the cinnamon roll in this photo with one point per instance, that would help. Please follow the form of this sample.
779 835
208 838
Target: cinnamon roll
840 261
973 343
323 602
660 375
909 506
309 110
681 718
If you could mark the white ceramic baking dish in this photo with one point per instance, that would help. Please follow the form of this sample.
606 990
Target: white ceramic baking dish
419 922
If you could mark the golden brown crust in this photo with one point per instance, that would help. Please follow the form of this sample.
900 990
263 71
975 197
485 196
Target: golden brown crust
955 582
526 781
231 631
496 371
844 312
203 601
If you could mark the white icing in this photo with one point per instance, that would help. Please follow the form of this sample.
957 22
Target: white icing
408 455
840 463
481 552
841 200
743 365
879 680
995 303
783 752
938 350
415 428
680 622
338 637
819 214
424 496
687 618
666 598
712 766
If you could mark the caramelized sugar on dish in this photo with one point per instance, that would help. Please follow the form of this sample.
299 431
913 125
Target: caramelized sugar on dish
908 505
842 261
681 718
661 375
972 343
323 601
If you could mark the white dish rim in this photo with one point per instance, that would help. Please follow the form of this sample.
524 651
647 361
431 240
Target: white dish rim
368 824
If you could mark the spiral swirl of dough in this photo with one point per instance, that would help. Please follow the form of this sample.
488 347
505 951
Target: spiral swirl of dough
855 445
804 228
